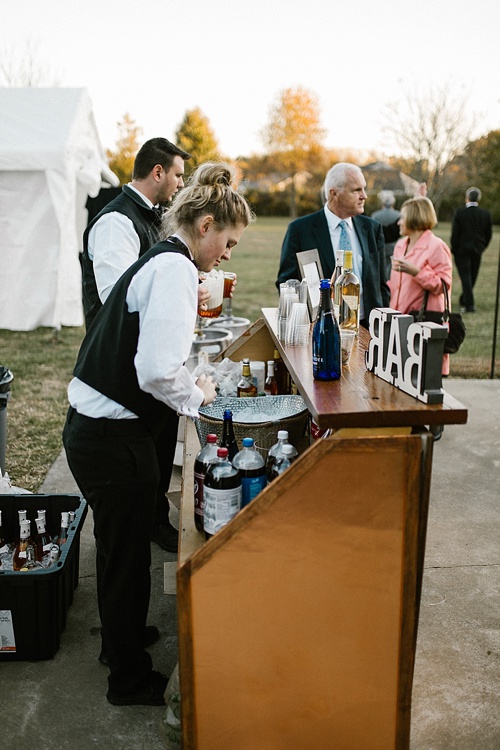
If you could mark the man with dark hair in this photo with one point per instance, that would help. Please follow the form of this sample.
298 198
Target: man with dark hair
345 203
121 233
470 236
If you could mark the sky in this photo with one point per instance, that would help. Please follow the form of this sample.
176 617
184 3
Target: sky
232 59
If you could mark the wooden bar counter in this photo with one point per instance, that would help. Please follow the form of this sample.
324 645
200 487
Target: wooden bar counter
298 620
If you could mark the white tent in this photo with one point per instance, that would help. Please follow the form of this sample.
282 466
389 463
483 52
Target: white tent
51 160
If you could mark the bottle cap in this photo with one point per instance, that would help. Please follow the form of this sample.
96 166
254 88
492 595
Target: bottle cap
211 438
222 452
247 442
288 449
282 434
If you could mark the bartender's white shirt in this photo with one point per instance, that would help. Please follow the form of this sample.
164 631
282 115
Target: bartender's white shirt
165 294
357 254
113 245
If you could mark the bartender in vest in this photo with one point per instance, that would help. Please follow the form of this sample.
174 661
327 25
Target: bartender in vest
130 376
120 234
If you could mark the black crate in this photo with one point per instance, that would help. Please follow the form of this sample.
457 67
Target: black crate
36 602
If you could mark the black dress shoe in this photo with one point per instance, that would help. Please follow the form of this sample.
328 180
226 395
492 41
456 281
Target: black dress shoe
150 692
166 537
151 635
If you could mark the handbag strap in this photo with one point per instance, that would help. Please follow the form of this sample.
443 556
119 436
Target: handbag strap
423 307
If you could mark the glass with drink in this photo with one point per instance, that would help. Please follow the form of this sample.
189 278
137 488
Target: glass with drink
213 282
229 279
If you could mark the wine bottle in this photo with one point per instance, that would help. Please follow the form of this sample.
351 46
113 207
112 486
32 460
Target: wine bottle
20 550
326 349
205 455
252 468
276 451
337 273
41 541
281 375
246 388
349 294
222 493
31 563
228 438
271 385
63 534
283 461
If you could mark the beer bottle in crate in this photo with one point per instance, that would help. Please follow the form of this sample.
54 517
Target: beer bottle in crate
221 492
252 470
207 454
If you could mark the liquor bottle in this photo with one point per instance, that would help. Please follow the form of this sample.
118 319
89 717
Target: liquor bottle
221 492
326 349
337 273
205 455
20 551
271 385
282 462
246 388
41 541
281 375
63 534
348 295
252 468
276 451
228 438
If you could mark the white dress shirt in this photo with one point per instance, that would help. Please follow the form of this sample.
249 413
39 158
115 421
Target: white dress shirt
113 245
165 294
357 255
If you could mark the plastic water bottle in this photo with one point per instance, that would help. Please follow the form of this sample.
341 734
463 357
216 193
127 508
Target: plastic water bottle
282 462
207 454
252 470
277 452
221 492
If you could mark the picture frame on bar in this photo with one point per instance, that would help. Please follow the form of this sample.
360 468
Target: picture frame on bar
310 269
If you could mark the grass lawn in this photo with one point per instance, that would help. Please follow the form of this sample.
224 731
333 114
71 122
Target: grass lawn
42 362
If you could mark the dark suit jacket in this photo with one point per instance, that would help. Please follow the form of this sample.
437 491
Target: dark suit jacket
471 231
311 232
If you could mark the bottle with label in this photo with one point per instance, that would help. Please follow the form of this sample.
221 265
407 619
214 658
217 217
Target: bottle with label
348 295
221 492
203 458
337 273
228 438
41 541
281 375
326 348
252 468
20 552
282 462
246 388
63 534
271 385
276 451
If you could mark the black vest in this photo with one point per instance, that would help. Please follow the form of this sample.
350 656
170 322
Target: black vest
106 357
146 223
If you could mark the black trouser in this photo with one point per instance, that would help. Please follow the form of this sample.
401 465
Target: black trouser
468 269
115 465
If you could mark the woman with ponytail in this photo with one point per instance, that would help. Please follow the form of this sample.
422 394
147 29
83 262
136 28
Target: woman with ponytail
130 383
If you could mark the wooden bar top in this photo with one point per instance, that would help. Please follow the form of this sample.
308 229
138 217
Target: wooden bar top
359 398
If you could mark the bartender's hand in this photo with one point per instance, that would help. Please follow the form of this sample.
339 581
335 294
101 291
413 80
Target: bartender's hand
208 386
203 297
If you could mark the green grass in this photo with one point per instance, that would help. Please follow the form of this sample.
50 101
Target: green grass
42 363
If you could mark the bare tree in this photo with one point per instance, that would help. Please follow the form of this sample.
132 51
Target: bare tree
21 65
430 130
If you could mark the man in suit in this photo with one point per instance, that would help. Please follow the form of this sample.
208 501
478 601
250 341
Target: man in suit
121 233
345 200
388 216
470 236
